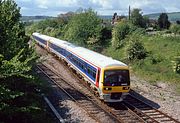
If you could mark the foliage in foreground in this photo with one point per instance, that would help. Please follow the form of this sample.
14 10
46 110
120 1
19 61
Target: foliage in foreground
16 56
19 102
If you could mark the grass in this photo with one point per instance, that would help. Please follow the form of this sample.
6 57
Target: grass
157 66
118 54
162 51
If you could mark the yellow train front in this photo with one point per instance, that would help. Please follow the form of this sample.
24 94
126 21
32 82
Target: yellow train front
114 83
108 78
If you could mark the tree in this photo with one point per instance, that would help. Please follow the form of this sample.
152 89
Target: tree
16 60
13 40
84 27
137 18
119 33
163 21
12 36
114 16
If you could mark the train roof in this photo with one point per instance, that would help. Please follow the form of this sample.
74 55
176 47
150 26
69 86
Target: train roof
91 56
97 58
45 37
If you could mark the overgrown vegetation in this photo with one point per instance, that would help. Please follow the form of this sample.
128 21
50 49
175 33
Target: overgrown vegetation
52 27
175 28
119 33
135 49
19 101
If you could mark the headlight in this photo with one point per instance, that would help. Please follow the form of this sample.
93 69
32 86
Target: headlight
125 88
107 89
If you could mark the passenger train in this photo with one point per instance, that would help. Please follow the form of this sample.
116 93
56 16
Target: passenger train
109 78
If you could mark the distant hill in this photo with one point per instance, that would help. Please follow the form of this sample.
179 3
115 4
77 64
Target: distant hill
35 18
106 17
174 16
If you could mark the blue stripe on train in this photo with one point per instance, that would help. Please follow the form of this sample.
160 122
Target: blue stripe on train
82 65
40 40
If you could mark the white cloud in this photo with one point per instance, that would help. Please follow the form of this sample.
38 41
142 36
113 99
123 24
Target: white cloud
104 7
57 3
42 6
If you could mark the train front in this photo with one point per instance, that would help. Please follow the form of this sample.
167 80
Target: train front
115 83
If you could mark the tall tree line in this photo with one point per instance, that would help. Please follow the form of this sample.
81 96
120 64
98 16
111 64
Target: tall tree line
18 101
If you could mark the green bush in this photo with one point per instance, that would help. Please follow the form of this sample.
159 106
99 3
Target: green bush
119 33
155 59
135 49
175 28
176 65
139 31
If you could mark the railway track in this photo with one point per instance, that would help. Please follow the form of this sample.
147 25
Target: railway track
99 111
85 102
147 112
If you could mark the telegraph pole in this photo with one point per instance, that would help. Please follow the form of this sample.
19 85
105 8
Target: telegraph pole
129 12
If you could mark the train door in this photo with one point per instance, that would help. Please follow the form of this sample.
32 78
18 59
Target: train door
97 77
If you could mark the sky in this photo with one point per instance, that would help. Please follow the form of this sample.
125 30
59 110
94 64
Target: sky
102 7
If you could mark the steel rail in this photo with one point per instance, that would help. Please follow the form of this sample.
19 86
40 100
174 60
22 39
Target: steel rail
147 112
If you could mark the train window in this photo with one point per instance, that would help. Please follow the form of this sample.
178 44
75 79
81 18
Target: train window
116 77
72 59
79 64
94 74
88 70
76 61
82 66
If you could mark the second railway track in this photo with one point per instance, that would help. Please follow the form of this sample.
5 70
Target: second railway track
147 112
